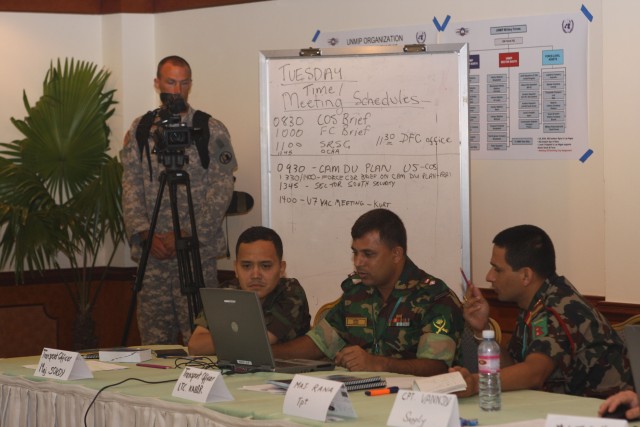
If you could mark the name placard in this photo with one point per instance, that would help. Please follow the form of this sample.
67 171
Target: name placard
415 408
554 420
62 365
201 385
317 399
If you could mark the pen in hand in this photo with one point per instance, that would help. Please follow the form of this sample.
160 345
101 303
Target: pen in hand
466 281
381 391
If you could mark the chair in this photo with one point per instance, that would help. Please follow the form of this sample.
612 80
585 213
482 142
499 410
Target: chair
619 327
496 328
323 310
469 345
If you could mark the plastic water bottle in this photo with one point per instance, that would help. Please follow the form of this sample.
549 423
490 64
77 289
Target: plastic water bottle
489 372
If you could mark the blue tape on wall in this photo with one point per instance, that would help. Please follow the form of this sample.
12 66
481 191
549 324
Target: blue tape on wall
586 12
315 37
444 24
586 155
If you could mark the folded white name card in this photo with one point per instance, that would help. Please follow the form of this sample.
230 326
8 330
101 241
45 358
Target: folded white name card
201 385
554 420
62 365
415 408
317 399
129 355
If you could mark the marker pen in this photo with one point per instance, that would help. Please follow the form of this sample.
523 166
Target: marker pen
150 365
381 391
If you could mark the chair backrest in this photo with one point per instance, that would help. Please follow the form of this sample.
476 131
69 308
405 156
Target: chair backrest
619 327
323 310
496 328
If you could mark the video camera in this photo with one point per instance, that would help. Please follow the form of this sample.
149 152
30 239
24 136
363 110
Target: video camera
172 136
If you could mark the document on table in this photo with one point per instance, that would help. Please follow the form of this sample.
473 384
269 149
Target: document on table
94 365
266 388
529 423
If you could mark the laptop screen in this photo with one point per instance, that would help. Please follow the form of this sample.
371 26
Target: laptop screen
236 321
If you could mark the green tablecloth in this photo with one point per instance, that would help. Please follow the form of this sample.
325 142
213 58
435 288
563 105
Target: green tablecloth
26 400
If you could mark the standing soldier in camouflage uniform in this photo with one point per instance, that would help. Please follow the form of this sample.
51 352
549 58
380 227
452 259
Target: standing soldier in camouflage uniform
561 344
162 309
392 316
260 268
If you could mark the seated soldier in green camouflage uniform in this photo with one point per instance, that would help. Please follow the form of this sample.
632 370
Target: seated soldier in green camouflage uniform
260 268
561 343
392 316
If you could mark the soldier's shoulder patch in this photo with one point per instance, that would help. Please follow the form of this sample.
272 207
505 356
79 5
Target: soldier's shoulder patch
440 325
225 157
539 327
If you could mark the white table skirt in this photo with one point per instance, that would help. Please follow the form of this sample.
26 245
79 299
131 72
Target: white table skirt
25 403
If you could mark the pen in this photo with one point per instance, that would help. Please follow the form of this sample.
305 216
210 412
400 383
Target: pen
464 276
381 391
150 365
466 281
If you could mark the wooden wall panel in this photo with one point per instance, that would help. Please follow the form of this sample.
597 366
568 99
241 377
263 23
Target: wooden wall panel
49 291
126 6
19 338
112 307
507 313
51 6
98 7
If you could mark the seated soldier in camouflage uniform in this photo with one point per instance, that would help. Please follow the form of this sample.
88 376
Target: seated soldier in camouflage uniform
392 316
561 344
260 268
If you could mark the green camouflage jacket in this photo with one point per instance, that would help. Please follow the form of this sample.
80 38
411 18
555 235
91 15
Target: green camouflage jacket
422 318
590 357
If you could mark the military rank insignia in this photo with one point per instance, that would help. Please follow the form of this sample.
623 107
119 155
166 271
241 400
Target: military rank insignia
539 327
358 322
440 326
399 321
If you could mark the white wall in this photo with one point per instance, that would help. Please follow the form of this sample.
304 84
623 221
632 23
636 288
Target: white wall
30 41
621 88
588 209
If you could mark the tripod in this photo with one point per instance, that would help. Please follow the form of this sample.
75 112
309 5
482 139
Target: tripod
187 248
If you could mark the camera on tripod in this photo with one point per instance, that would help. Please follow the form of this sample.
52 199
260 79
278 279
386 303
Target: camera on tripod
171 136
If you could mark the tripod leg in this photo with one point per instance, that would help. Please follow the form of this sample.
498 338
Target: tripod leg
187 249
194 246
144 257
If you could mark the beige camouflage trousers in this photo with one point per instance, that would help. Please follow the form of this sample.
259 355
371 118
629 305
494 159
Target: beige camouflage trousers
162 310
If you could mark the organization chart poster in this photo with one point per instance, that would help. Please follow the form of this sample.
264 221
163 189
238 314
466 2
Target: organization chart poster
527 86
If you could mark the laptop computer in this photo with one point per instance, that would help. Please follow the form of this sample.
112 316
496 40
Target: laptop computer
236 321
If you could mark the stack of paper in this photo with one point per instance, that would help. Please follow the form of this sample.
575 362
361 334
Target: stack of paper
444 383
125 354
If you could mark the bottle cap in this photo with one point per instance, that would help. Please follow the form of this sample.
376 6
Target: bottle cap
488 334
